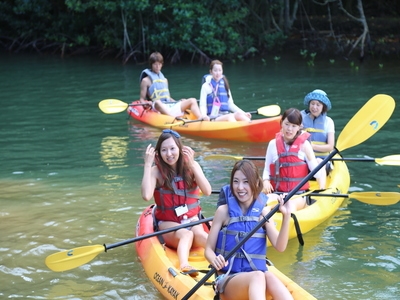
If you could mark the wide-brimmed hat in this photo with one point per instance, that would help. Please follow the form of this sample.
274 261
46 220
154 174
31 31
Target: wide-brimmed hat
319 95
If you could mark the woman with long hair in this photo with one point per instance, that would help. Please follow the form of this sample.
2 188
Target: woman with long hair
173 178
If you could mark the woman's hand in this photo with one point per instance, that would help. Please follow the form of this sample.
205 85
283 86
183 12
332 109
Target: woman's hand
268 189
219 262
285 208
205 118
150 154
189 154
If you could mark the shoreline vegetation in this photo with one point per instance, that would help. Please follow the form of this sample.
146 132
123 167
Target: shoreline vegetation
199 32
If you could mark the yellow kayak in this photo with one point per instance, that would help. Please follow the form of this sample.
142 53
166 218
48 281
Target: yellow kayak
323 207
162 267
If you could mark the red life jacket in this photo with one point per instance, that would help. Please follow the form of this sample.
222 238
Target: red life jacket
288 170
167 200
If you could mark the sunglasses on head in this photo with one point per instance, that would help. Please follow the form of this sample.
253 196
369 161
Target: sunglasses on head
170 131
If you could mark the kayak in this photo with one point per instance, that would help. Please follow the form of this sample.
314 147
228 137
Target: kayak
161 266
322 207
257 131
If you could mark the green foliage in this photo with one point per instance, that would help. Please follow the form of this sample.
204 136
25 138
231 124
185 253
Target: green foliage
311 63
224 29
274 40
304 53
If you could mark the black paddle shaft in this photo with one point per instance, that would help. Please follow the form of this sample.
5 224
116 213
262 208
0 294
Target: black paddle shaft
157 233
333 159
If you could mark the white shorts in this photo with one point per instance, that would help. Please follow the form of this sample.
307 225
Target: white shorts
174 109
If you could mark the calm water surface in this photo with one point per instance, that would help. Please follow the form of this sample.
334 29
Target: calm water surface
70 175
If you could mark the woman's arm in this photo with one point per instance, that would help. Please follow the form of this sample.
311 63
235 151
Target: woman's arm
313 163
279 239
330 142
269 156
328 147
150 174
149 182
200 178
232 106
205 90
218 262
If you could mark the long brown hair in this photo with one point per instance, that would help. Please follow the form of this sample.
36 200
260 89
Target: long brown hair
217 62
253 177
293 115
167 172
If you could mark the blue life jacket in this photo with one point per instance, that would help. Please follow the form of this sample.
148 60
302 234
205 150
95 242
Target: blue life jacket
251 256
218 90
316 127
158 89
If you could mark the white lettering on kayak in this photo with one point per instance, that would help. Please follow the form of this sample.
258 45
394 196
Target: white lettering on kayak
165 285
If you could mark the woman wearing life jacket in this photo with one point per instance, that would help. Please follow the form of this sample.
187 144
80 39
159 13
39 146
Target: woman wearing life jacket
289 158
318 124
216 99
173 177
245 275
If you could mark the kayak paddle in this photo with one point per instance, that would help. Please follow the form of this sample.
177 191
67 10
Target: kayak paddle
113 106
364 124
374 198
73 258
391 160
268 111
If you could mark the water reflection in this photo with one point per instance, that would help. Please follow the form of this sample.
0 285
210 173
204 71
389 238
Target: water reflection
114 151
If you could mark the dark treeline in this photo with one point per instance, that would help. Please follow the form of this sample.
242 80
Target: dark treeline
200 30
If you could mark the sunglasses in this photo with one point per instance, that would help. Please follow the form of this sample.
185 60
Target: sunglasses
174 133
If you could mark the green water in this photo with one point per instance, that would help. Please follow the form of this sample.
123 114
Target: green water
70 175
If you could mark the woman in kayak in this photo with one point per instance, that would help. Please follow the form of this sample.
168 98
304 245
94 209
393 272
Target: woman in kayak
245 275
290 158
216 99
173 178
318 124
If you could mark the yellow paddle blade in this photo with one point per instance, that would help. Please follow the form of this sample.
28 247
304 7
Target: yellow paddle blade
223 156
366 122
269 110
73 258
376 198
391 160
112 106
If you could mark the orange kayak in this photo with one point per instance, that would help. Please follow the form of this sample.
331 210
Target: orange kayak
161 265
257 131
